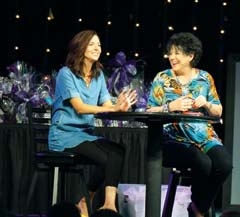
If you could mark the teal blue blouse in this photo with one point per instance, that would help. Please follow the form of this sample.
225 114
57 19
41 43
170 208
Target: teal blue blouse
68 128
166 88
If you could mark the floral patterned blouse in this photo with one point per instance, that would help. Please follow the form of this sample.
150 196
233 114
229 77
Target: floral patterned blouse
166 88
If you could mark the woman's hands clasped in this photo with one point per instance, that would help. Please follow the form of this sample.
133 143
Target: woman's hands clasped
186 103
183 103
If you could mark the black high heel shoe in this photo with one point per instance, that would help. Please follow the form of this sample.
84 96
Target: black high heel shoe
190 210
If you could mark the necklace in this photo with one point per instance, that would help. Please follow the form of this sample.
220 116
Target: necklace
186 83
87 79
184 87
183 84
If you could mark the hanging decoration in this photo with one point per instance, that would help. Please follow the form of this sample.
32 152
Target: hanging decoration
123 71
127 74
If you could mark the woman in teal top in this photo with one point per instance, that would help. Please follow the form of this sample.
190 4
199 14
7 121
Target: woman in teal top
81 92
70 128
185 88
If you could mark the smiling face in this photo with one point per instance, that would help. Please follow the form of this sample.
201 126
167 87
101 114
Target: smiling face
93 50
178 59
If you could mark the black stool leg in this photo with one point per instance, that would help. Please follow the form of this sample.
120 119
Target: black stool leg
31 191
211 212
170 195
63 184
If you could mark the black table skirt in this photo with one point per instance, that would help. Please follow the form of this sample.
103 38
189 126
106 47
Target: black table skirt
16 165
17 168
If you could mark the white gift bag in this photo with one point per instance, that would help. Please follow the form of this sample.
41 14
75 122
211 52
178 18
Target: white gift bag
131 200
182 199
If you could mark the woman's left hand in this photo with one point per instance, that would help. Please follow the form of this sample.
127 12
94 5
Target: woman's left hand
126 99
198 102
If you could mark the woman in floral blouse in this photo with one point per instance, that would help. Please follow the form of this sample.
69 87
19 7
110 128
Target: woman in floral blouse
186 89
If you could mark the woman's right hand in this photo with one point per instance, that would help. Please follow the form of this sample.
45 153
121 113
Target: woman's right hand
183 103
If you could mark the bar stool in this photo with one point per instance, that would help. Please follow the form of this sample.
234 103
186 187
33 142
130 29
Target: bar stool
58 164
176 177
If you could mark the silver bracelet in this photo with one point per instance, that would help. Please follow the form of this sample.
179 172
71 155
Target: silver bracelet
165 107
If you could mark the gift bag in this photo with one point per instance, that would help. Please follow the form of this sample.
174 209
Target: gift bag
131 200
181 202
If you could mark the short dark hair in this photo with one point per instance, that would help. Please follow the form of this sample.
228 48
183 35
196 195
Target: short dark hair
188 43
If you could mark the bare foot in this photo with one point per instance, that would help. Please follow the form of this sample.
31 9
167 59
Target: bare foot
82 206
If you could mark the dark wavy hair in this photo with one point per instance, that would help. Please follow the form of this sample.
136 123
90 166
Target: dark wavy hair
188 44
76 50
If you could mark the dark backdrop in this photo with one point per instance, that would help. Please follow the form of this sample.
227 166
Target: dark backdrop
33 33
